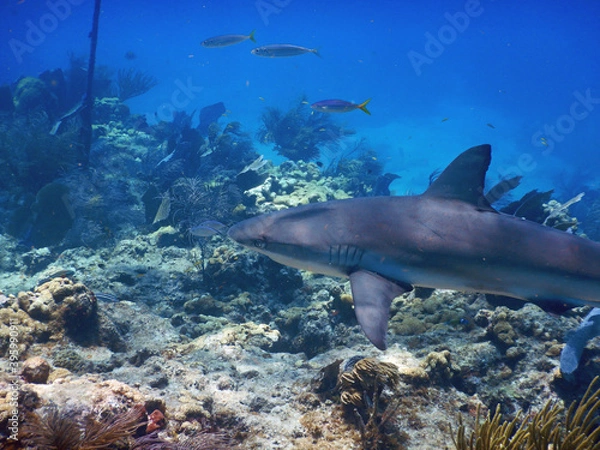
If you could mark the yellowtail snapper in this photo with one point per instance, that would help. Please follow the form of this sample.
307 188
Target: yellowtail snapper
282 51
227 40
339 106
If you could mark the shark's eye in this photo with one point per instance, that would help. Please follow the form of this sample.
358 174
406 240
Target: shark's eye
259 243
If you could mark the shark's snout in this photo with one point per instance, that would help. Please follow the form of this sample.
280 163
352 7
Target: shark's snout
237 232
247 231
233 232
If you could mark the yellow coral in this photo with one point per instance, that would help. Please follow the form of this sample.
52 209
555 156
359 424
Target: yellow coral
579 430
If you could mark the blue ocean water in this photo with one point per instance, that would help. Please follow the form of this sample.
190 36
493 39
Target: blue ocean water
442 75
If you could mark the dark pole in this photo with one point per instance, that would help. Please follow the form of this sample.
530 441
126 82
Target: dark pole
86 113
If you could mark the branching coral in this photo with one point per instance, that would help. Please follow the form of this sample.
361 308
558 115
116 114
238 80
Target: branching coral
578 430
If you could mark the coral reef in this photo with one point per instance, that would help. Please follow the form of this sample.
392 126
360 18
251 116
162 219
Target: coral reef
132 83
194 201
52 215
56 430
558 216
549 428
109 304
294 184
299 134
32 94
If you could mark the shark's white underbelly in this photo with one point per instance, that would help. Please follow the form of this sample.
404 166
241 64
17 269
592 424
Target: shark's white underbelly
497 279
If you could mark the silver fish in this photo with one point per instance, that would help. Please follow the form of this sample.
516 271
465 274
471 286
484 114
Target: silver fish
282 51
226 40
208 228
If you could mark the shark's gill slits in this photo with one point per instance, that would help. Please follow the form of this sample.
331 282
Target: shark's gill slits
344 255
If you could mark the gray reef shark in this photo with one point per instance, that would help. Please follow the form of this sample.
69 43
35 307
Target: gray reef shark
449 237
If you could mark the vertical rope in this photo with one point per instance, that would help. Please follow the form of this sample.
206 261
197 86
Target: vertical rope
86 113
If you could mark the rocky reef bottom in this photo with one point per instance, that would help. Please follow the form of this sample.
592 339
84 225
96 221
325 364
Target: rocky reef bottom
153 344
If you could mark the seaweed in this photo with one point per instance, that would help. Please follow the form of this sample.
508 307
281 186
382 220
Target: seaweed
578 429
300 134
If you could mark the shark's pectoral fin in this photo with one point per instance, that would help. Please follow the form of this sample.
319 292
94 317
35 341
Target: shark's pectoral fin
373 296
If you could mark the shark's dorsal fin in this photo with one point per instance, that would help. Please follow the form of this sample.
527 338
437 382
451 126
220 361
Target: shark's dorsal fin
464 178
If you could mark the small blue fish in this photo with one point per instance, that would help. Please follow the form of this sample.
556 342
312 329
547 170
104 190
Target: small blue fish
208 228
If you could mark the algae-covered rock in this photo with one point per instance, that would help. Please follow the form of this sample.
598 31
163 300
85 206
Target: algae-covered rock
59 309
70 306
71 360
501 330
15 321
407 326
440 366
53 215
110 109
205 304
35 370
32 93
296 183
